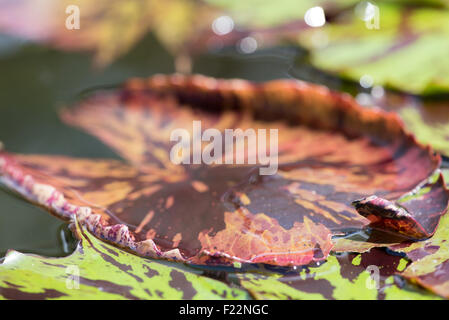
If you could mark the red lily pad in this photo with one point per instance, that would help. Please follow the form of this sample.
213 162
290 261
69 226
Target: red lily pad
331 152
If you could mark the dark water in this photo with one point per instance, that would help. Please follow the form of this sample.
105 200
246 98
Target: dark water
36 81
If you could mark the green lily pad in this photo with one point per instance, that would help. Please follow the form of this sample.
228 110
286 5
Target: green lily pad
430 124
408 50
97 270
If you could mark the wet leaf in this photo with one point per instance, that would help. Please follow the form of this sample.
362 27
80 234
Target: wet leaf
392 224
97 270
396 218
430 124
427 118
408 41
270 247
109 28
330 152
367 276
430 260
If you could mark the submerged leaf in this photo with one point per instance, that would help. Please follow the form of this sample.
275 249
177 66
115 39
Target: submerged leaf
330 152
97 270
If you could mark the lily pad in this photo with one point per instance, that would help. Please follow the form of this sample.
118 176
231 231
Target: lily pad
406 52
430 124
367 276
97 270
429 260
330 152
426 118
108 29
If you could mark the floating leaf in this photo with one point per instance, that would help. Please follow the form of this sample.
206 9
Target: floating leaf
396 218
393 225
430 260
401 53
430 124
427 119
97 270
365 276
330 152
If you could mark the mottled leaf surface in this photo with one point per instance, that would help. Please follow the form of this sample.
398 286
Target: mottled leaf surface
430 124
430 260
407 51
427 118
331 152
104 272
367 276
396 218
390 223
